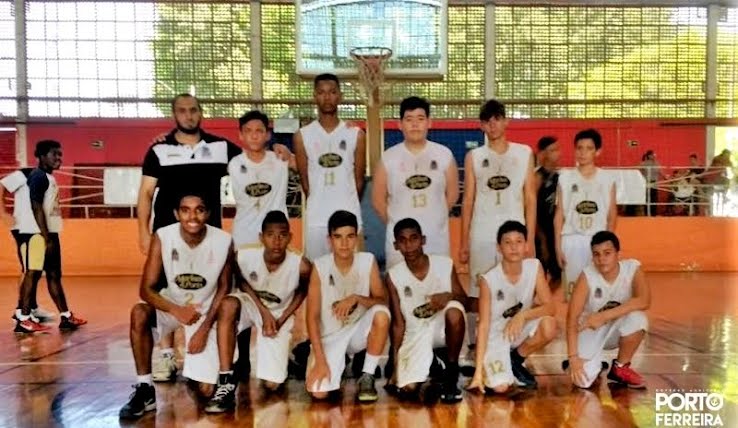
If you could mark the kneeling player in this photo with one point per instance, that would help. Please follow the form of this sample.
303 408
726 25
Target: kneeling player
273 283
346 312
606 312
427 313
196 260
515 315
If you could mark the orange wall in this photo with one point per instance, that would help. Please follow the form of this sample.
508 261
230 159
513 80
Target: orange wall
109 246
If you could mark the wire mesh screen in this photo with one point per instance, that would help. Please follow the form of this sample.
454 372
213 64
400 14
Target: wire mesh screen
727 63
7 59
638 61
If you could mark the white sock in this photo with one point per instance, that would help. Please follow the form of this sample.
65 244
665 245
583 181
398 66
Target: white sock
22 317
66 314
370 363
19 312
167 352
144 379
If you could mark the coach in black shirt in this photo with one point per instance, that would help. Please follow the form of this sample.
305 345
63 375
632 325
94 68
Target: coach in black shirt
188 158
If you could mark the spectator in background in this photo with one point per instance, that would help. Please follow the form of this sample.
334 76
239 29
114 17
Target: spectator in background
650 169
716 177
546 181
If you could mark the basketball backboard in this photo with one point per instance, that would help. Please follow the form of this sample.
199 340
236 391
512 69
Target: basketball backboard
415 30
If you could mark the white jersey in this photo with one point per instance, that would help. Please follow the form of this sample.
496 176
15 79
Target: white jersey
330 172
15 183
257 188
500 182
506 298
414 292
416 187
275 289
585 201
192 273
335 286
605 295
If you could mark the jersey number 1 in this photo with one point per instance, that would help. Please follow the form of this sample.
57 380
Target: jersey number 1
330 178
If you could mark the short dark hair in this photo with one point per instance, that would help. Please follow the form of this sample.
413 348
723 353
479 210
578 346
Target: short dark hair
511 226
193 192
342 218
490 109
275 217
253 115
590 133
413 103
693 155
43 147
186 95
546 141
326 77
406 223
603 236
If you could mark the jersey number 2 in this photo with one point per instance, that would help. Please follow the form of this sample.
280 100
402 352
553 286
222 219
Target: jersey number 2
330 178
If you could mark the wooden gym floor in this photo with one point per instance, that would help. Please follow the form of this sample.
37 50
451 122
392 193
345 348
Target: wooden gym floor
82 379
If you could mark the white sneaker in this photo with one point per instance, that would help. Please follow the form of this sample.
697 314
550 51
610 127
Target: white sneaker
164 369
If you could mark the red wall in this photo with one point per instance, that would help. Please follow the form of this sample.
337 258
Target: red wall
126 140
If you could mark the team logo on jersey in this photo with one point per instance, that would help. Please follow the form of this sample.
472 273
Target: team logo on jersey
253 276
498 182
485 163
408 292
270 300
424 311
190 281
433 165
342 145
175 255
243 169
598 293
574 188
206 153
500 295
257 190
609 305
331 281
512 311
586 207
418 182
330 160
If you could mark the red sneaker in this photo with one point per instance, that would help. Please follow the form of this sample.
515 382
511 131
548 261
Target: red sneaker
30 326
626 376
71 323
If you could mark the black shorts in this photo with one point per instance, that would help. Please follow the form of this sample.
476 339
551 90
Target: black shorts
34 255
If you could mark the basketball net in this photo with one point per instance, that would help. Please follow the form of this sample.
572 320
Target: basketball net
371 62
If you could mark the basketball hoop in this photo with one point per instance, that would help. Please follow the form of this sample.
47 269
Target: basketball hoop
371 62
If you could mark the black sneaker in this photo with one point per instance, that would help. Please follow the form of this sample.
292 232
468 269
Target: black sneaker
450 392
523 377
224 399
367 392
429 392
141 401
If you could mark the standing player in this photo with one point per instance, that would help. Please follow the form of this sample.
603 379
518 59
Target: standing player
416 179
606 312
498 186
15 183
38 238
585 205
195 258
427 304
258 179
273 283
516 315
546 182
331 160
346 312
